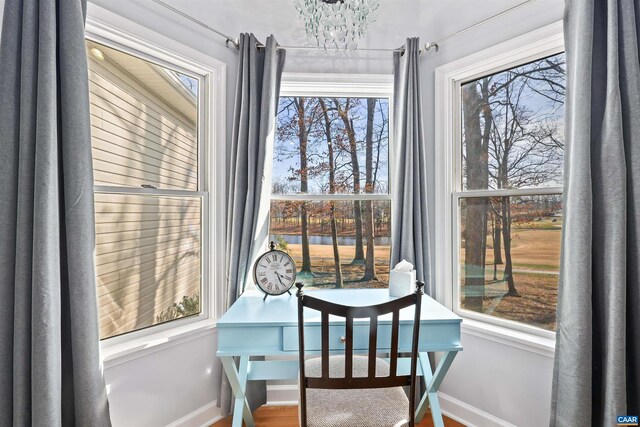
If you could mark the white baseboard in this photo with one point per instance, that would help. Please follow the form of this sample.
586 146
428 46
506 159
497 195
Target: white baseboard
202 417
468 415
282 395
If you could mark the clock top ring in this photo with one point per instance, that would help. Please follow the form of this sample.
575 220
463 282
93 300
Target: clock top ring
274 272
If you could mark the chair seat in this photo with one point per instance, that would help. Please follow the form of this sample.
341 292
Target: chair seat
377 407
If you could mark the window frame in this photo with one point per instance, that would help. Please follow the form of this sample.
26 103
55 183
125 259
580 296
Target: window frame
449 78
340 86
211 75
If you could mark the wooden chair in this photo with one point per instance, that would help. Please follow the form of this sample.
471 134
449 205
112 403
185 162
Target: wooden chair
357 390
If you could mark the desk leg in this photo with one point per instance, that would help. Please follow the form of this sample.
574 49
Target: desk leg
433 382
238 381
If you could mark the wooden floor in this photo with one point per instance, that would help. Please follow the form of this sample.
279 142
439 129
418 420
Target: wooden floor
287 416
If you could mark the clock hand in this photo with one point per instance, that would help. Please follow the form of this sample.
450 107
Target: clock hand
278 276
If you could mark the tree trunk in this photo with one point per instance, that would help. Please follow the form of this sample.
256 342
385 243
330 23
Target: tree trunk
359 253
475 237
332 190
497 244
506 236
370 266
475 232
306 255
355 164
503 182
336 248
497 240
303 136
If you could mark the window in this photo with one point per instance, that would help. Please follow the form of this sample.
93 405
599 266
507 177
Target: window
331 206
509 230
150 201
506 159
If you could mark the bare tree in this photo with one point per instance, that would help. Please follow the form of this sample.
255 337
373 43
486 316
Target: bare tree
304 179
477 129
496 235
343 113
523 149
332 190
370 266
511 140
323 142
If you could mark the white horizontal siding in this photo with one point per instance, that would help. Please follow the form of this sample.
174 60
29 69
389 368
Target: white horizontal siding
147 257
147 247
136 137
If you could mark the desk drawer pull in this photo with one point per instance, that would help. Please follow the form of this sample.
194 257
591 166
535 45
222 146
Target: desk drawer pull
343 340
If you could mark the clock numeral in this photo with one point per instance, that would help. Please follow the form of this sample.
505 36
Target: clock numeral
289 270
264 280
287 277
286 264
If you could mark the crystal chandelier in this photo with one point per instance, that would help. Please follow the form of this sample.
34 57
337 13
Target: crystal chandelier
336 24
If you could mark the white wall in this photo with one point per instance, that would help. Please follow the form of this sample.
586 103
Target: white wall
180 378
166 385
162 385
492 382
509 384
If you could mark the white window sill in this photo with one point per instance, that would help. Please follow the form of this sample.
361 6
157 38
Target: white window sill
115 352
522 340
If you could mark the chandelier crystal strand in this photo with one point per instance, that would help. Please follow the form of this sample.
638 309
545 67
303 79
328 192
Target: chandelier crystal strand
336 24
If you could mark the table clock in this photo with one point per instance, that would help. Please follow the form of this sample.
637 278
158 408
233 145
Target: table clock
274 272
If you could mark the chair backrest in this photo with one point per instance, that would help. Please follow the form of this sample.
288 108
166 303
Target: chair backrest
349 313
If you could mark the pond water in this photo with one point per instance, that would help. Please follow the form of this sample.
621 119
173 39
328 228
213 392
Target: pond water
296 239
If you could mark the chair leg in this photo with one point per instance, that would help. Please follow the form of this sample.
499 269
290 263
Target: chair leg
303 405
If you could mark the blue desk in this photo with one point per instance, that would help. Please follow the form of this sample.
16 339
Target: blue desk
253 327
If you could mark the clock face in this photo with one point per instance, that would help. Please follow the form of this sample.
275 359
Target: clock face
274 272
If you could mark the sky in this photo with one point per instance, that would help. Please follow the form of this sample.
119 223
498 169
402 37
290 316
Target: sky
535 165
286 164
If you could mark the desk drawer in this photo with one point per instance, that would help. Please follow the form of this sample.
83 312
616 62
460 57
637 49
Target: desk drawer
313 336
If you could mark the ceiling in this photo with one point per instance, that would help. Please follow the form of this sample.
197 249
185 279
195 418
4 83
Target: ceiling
397 19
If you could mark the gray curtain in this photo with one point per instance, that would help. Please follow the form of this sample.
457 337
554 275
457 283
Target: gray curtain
409 217
597 366
249 188
50 373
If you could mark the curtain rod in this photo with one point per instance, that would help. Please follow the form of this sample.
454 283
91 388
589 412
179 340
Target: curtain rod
318 48
436 44
427 46
234 41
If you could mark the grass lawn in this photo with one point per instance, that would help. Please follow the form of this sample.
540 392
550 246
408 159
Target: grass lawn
536 305
535 248
323 266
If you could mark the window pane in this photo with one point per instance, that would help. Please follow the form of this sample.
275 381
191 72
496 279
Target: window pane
147 260
331 145
143 122
311 243
513 126
510 257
